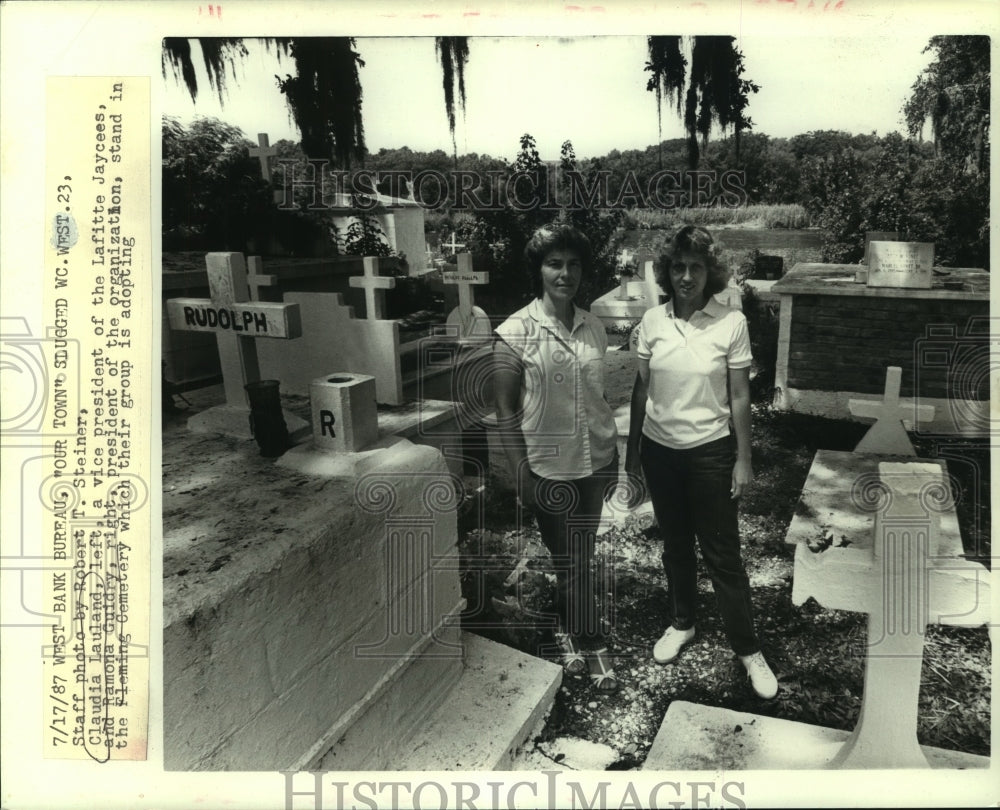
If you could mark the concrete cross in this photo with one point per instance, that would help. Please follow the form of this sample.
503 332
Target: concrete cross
887 435
236 322
465 279
453 246
373 285
472 321
896 554
263 152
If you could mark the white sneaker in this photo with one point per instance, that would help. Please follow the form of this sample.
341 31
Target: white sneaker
761 678
667 648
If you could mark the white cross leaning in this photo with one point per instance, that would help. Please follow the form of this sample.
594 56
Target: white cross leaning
465 278
263 152
374 286
888 435
235 321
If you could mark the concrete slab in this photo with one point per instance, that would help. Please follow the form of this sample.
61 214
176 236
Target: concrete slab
490 712
694 737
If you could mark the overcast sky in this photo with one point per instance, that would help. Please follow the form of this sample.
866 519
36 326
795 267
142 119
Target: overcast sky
590 90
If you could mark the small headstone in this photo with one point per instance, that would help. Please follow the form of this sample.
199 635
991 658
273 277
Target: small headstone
888 436
471 321
900 264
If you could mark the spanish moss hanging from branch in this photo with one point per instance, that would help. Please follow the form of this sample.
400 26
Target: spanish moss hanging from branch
716 90
667 64
453 53
220 55
325 96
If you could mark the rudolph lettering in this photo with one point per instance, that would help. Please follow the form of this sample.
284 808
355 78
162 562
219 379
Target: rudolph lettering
210 320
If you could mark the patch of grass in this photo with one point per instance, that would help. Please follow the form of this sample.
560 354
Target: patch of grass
792 216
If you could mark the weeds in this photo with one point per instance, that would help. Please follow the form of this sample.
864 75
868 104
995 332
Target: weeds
791 216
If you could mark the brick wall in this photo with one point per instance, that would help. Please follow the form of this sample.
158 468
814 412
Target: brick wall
845 343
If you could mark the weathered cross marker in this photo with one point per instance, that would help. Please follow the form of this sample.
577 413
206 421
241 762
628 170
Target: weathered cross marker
470 319
237 324
896 555
263 152
888 435
373 285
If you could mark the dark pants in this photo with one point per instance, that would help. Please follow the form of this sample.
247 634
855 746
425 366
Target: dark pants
690 491
568 514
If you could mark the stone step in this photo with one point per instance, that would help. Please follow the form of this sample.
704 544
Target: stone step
694 737
499 700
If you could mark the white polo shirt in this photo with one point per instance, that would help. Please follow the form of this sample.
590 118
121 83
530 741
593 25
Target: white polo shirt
688 403
569 430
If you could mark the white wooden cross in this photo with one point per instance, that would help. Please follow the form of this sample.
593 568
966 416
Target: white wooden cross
373 285
471 320
236 322
263 152
887 435
453 246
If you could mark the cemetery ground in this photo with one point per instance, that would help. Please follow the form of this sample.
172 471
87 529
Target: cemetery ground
817 654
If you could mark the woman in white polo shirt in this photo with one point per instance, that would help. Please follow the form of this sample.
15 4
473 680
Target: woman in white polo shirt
559 434
690 430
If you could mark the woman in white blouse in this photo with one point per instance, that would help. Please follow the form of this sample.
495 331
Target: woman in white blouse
690 431
559 434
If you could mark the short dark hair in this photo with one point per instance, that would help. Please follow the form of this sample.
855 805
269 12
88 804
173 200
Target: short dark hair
692 239
555 237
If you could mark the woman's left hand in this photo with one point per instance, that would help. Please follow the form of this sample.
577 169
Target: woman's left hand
742 476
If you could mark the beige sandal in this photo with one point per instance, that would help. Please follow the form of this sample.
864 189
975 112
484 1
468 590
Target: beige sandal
573 661
604 679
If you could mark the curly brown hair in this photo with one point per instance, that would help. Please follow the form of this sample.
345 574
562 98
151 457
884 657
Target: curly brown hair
697 240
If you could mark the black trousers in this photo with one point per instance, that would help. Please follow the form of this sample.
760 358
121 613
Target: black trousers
568 514
690 491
